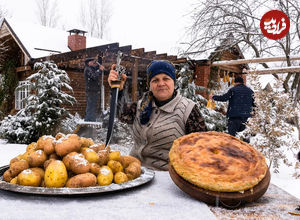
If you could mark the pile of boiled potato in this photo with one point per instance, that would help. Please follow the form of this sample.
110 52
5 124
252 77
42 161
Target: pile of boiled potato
70 161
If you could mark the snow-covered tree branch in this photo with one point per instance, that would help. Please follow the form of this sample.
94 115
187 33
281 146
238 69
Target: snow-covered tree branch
45 106
269 129
239 23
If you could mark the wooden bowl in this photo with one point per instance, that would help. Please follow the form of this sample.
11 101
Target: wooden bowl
229 200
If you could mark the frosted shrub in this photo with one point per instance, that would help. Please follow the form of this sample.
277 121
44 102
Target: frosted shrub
268 129
44 109
17 128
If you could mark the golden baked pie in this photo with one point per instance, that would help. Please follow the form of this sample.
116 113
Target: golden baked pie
217 161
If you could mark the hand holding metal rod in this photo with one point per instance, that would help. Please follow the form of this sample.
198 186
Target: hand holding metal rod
115 83
117 77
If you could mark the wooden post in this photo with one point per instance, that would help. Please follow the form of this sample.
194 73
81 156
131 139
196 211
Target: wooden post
135 71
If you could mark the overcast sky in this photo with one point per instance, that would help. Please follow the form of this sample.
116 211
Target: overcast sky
152 24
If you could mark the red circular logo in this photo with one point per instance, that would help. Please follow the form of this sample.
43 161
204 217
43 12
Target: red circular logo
274 24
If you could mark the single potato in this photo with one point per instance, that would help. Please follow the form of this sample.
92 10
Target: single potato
133 170
49 148
14 180
7 176
67 159
90 155
29 178
18 167
46 141
120 177
56 174
126 160
115 155
82 180
86 142
37 158
95 168
115 166
103 157
78 164
105 177
31 146
67 144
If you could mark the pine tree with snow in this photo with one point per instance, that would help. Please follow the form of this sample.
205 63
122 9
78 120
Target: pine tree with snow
47 97
269 129
214 120
44 106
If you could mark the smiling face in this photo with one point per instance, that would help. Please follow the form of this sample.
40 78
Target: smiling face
162 87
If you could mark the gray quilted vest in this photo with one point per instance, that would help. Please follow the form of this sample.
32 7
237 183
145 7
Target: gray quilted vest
154 139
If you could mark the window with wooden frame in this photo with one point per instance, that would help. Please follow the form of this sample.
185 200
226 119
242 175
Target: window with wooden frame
21 93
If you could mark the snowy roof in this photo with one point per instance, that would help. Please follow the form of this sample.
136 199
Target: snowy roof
40 41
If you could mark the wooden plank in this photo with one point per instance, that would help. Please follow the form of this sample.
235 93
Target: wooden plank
150 54
161 56
172 58
295 69
137 52
126 48
254 60
23 68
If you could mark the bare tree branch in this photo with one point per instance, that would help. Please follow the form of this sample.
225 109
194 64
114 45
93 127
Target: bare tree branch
215 20
48 13
94 16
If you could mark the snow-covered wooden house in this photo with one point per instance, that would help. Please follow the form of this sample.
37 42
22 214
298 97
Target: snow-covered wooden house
29 43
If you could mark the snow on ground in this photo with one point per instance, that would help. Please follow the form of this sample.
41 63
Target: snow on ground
9 151
285 180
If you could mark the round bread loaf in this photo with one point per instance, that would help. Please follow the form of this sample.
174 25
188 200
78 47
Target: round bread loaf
217 161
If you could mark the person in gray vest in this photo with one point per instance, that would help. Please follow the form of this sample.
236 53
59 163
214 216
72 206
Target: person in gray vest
160 117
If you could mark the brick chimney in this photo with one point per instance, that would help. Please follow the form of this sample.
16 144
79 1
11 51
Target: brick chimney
76 39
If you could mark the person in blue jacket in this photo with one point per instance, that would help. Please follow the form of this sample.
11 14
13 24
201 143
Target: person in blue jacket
240 107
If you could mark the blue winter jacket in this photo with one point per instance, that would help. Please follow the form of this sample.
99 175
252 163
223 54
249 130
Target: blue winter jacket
241 101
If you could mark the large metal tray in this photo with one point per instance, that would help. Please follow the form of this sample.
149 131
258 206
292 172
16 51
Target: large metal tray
146 176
